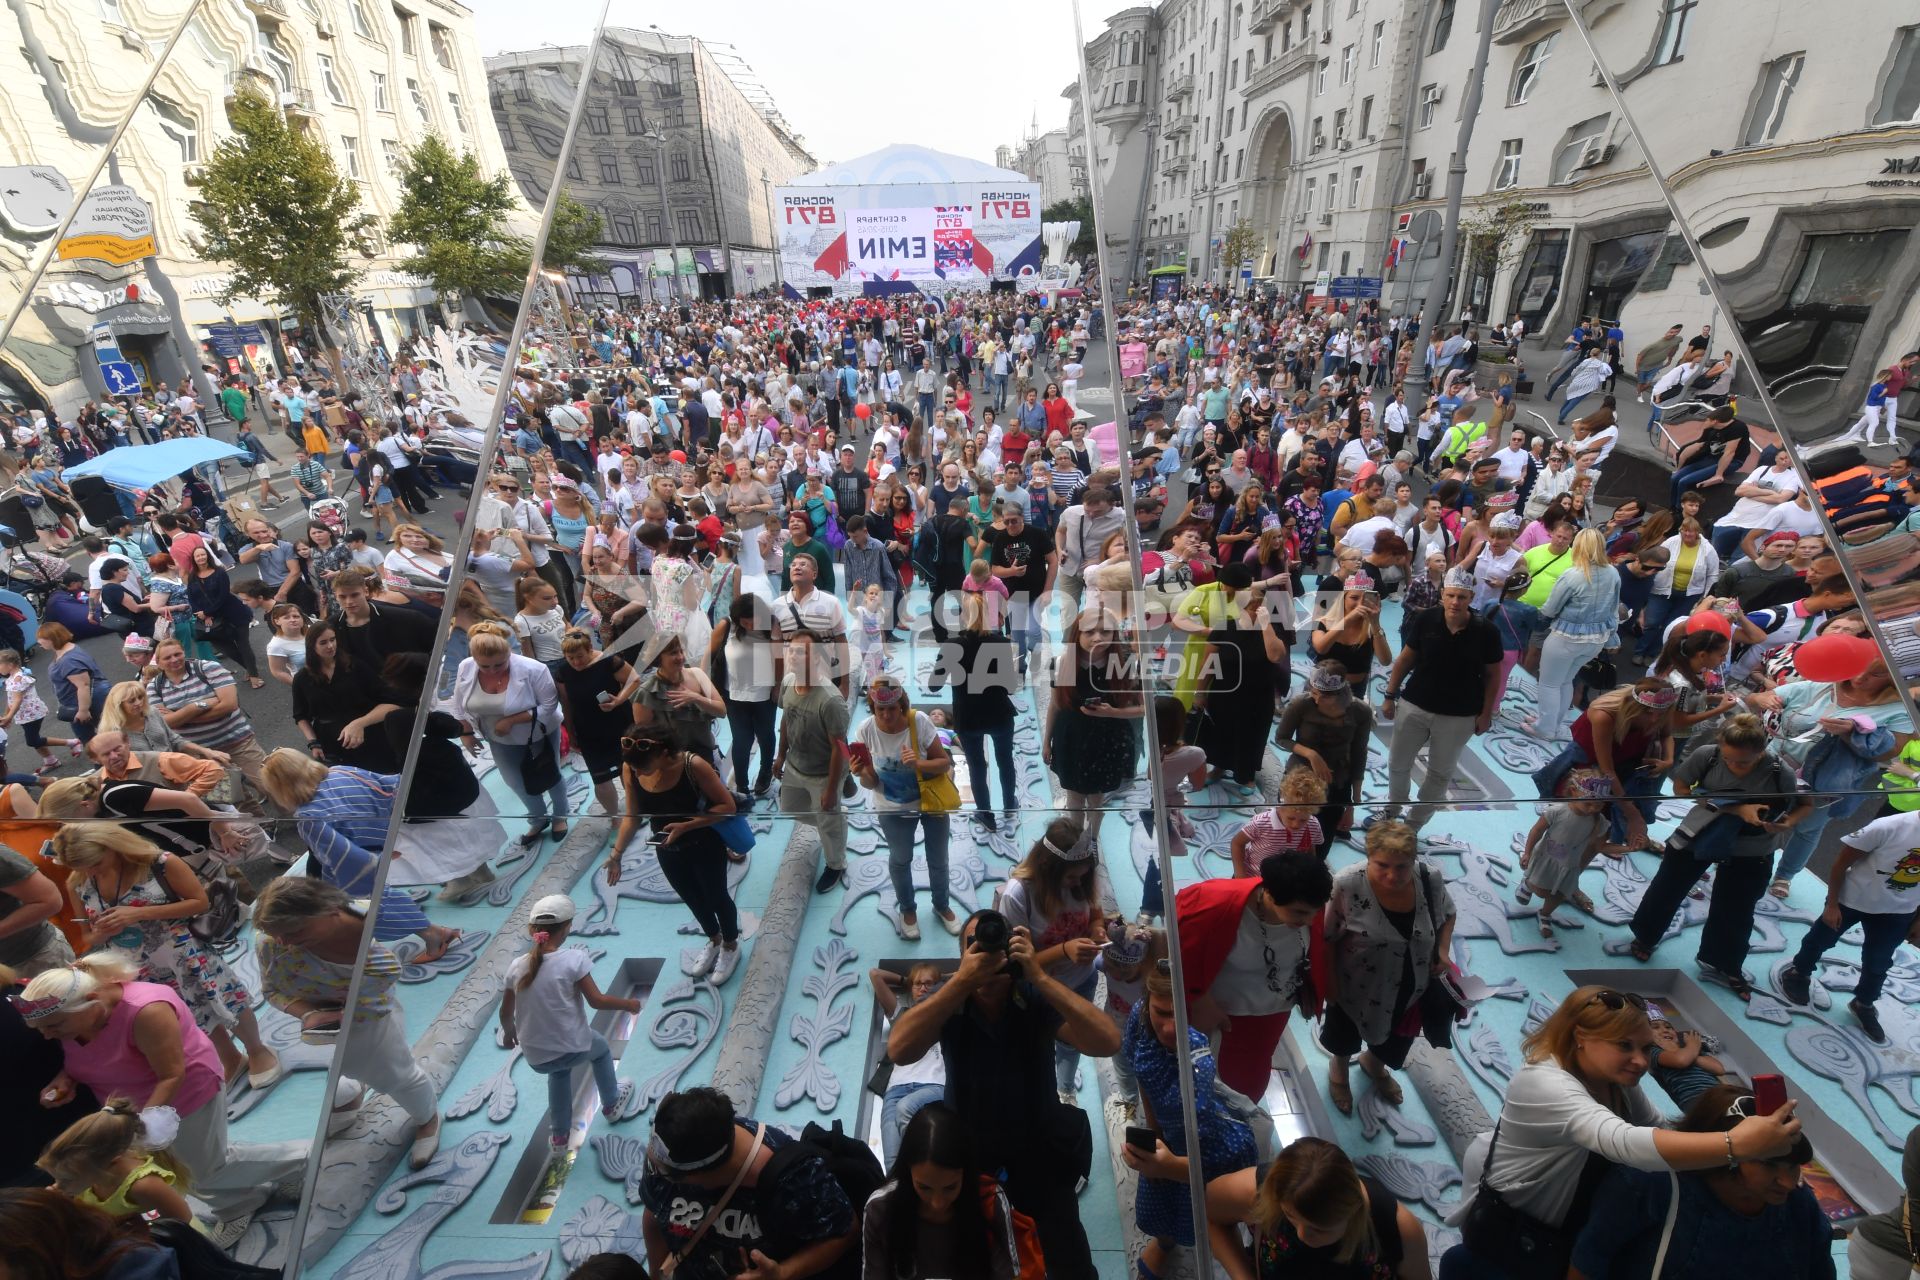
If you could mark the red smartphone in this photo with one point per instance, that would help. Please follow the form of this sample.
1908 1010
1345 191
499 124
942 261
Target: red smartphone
860 754
1769 1093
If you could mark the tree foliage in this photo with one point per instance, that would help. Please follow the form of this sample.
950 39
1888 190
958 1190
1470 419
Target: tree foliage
1496 236
455 218
277 212
1079 209
576 229
1241 242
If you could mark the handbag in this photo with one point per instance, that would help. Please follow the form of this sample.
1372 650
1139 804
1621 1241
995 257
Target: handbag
734 830
540 770
937 794
1599 674
1519 1244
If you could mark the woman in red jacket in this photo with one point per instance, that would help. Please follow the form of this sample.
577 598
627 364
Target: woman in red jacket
1249 953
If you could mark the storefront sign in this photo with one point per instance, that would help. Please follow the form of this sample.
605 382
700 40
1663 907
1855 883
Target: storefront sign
33 198
114 225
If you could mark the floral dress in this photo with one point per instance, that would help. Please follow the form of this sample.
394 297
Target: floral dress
168 953
1161 1208
322 564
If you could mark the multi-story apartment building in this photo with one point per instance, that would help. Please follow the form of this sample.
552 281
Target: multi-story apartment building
678 150
1050 160
1330 125
370 76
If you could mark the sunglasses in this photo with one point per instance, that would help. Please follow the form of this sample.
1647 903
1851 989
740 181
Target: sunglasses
1744 1107
1618 1000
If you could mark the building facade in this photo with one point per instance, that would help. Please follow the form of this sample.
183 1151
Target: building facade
1329 126
1050 160
370 76
677 152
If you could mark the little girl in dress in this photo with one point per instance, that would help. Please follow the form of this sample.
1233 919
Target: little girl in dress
1562 842
993 591
871 613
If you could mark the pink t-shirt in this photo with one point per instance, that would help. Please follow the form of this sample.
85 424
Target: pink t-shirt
1266 836
112 1063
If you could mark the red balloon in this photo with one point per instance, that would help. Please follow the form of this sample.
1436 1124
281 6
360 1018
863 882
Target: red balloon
1710 621
678 455
1835 657
863 411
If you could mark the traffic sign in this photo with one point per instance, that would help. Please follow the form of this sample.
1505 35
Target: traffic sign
1355 287
120 378
232 339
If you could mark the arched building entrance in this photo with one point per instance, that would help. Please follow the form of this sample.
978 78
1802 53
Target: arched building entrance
1272 164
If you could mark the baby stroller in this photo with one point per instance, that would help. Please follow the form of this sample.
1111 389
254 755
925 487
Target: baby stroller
331 512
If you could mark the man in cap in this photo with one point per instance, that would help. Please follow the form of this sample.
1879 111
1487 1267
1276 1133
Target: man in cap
1752 580
1440 692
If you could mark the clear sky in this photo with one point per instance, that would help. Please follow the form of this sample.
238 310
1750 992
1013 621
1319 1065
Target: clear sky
852 76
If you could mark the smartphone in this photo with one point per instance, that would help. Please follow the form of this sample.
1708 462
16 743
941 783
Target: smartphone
1143 1140
861 754
1769 1092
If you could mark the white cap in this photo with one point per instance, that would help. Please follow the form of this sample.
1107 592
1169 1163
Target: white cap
555 908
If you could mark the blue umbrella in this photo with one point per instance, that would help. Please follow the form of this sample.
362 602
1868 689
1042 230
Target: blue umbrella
141 466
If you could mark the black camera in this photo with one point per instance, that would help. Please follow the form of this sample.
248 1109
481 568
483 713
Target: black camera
991 932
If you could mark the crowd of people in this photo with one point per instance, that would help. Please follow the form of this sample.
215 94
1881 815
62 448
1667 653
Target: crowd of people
715 529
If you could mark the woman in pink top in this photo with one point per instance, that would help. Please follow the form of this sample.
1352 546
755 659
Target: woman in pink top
138 1038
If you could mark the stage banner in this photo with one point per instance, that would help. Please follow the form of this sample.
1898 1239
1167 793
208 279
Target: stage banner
891 244
952 238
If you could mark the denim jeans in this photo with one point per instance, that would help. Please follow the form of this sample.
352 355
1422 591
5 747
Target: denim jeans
1066 1059
974 747
1802 843
1726 540
898 829
511 758
1567 409
1690 476
1561 658
897 1109
1661 611
1884 934
559 1074
1561 372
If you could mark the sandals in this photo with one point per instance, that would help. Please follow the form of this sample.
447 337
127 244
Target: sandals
1581 902
1340 1093
1780 888
1389 1088
1546 926
1640 951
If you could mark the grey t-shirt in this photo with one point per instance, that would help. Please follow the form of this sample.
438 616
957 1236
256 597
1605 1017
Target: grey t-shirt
1771 782
16 948
815 721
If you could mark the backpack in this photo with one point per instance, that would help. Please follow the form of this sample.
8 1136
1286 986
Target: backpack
1029 1262
852 1164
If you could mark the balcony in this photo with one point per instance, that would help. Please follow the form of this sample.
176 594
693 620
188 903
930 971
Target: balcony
1266 13
1178 124
1174 164
269 8
1520 20
1293 62
299 102
1179 86
1119 113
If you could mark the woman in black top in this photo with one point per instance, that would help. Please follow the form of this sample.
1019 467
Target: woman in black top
983 669
679 796
338 705
594 688
444 785
225 615
122 608
1350 633
1315 1217
1241 661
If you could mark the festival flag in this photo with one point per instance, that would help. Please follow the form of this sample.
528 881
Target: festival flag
1395 247
1305 246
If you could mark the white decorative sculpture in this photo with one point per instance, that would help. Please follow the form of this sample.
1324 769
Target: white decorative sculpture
1057 237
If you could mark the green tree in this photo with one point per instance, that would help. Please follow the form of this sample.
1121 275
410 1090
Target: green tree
1496 235
570 241
455 219
275 210
1079 209
1241 242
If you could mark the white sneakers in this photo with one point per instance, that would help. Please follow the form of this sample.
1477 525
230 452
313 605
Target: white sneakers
703 963
723 967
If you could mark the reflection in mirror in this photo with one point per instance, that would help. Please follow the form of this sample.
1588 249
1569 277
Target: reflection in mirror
215 304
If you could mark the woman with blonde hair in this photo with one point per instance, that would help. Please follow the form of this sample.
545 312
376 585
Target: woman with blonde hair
1315 1214
418 567
1577 1098
1583 612
513 702
139 900
106 1160
131 713
121 1036
341 814
1627 734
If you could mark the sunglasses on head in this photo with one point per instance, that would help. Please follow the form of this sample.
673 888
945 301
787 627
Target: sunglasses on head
1618 1000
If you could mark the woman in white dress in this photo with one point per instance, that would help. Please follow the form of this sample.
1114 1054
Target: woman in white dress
679 585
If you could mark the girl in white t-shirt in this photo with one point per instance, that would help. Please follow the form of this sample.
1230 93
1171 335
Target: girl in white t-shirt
287 643
540 621
544 1011
914 1085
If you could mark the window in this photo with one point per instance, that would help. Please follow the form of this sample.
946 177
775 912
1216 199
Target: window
1527 72
609 169
573 168
179 126
1312 188
644 164
459 114
1379 42
1900 97
1239 162
1339 127
1422 180
1442 27
1585 144
1675 16
380 100
1233 75
1536 284
1326 249
442 42
1366 118
1319 134
1332 188
404 21
1506 173
688 220
391 151
330 82
1353 188
1346 261
1776 87
635 123
597 121
419 101
1320 78
622 224
666 78
1346 65
506 132
656 226
357 14
682 171
1429 105
350 149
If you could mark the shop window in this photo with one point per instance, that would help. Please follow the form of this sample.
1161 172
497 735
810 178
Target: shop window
1536 285
1614 269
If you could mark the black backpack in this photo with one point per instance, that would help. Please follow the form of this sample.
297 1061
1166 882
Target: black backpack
852 1164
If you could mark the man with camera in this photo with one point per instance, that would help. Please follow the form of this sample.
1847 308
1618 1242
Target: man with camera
728 1197
996 1022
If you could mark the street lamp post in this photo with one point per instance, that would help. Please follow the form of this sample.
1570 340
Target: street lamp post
659 141
773 229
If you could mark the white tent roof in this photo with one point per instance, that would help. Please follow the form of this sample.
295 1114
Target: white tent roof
901 165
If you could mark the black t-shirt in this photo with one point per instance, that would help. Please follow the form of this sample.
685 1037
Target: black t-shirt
1282 1253
391 629
1028 551
983 671
805 1207
1000 1077
113 598
1449 668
